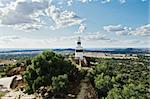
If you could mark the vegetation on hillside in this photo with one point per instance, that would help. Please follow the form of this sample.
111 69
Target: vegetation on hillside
5 70
122 79
53 74
52 70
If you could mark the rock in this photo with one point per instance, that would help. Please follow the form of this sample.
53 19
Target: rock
47 95
17 81
8 83
18 95
16 71
71 95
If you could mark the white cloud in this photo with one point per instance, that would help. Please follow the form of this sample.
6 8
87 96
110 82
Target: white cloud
95 37
89 40
122 1
6 2
8 38
22 14
98 39
124 32
27 15
63 18
142 30
105 1
14 18
143 0
118 29
36 0
113 28
28 27
69 2
83 1
102 1
81 29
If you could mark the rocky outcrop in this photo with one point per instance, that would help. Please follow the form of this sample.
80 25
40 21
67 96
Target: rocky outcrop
16 82
10 82
6 82
18 95
16 71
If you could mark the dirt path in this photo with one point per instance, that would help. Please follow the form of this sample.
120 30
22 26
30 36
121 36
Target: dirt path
87 91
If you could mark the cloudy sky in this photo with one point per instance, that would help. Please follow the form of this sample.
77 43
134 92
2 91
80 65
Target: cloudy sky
58 23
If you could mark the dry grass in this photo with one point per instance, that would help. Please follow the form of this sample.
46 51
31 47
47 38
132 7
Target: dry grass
105 55
6 61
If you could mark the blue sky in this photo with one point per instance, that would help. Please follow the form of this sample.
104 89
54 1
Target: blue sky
58 23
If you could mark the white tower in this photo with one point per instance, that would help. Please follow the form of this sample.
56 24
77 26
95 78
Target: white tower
79 50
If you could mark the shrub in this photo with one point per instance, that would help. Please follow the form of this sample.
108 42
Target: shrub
37 83
103 84
45 70
28 90
60 83
122 79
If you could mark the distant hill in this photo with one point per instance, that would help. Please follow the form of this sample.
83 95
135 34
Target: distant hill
123 50
71 50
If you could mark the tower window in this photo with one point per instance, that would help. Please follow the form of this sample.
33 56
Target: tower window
78 42
79 50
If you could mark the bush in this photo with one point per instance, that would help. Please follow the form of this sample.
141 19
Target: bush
28 90
122 79
103 84
129 91
60 83
37 83
45 70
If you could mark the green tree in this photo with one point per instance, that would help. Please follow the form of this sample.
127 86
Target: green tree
60 83
103 84
45 66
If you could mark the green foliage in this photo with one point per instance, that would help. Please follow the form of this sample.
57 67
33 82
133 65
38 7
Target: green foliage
22 56
4 71
76 74
29 90
2 94
27 62
114 93
45 70
38 82
48 55
122 79
60 83
128 91
103 83
30 75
